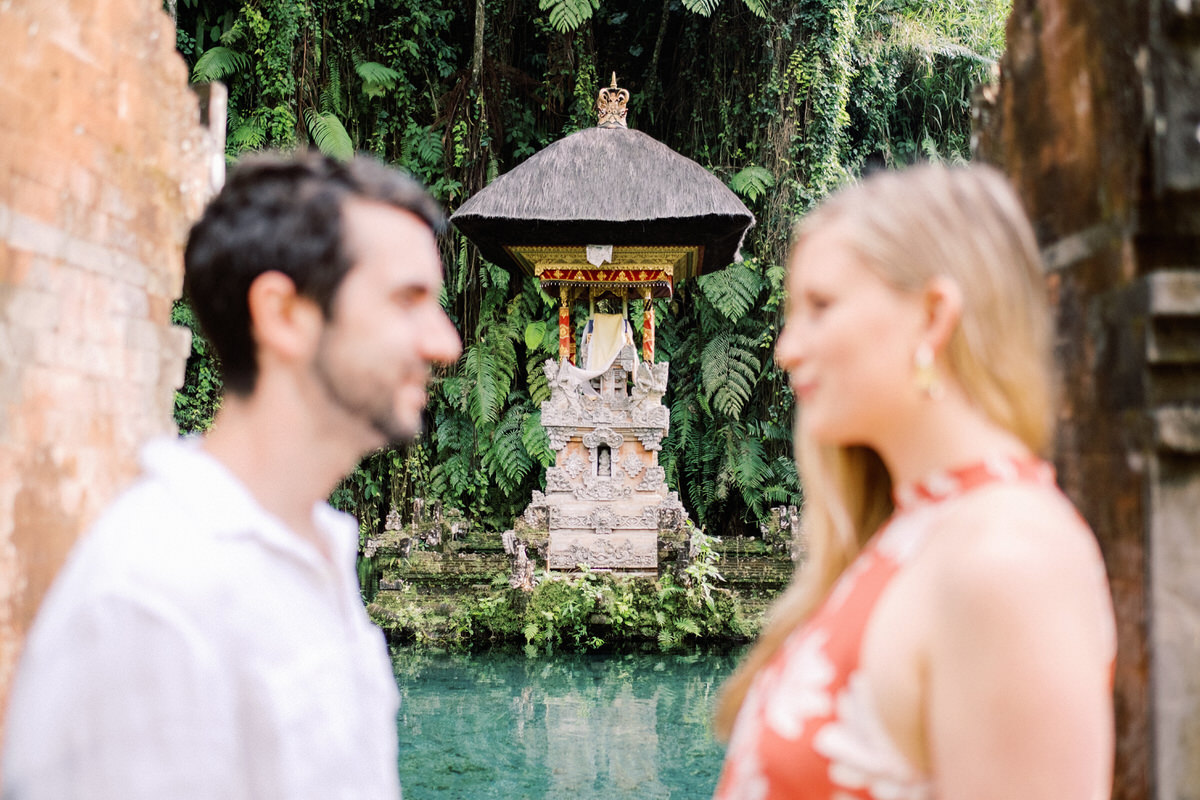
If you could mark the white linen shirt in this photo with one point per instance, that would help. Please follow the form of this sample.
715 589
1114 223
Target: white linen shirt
194 647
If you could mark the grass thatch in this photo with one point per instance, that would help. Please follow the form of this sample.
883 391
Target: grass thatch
607 186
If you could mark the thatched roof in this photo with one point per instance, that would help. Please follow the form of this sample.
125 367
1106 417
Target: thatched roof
607 186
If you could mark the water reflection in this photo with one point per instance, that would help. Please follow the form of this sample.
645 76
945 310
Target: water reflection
577 726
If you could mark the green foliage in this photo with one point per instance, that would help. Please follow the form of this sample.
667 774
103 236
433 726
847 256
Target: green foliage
196 403
784 101
329 134
218 63
580 612
568 15
752 182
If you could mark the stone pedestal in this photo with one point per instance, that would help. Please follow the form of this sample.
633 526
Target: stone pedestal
606 502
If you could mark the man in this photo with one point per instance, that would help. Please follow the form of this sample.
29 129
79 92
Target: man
206 638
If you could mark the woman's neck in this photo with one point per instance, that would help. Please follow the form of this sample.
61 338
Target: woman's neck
946 433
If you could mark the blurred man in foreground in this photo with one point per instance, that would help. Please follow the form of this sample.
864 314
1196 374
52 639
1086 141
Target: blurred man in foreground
206 638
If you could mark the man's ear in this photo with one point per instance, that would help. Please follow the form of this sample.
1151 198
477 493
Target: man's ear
285 325
943 300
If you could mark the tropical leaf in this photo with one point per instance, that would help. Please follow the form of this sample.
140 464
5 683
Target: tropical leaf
377 79
702 7
504 454
749 463
757 7
732 291
218 63
535 332
329 134
752 182
537 443
250 134
488 366
728 370
568 15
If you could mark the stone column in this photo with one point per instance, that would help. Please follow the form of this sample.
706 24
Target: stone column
1096 121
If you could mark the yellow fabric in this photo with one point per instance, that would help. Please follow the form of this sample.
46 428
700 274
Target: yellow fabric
609 334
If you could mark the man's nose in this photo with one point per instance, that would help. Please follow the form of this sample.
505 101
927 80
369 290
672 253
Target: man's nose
442 344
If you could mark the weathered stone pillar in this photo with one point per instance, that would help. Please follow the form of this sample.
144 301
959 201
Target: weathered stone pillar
103 164
1097 121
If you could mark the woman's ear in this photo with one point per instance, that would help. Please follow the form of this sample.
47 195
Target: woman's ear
943 300
284 324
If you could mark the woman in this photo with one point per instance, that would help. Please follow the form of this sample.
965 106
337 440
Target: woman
951 634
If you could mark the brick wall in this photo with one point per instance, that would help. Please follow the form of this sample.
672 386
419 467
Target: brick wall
103 163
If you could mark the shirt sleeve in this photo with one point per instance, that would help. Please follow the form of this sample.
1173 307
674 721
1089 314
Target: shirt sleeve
121 697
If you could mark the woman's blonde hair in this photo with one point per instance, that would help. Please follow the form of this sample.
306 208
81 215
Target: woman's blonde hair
909 227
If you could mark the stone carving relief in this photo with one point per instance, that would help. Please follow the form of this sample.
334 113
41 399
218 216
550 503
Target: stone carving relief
603 436
574 467
601 489
557 480
654 480
604 520
618 555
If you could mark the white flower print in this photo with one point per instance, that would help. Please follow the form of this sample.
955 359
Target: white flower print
801 690
861 753
904 535
941 485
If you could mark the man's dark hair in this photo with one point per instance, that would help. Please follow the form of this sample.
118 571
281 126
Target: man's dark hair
282 213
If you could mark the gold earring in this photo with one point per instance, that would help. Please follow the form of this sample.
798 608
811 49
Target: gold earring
925 375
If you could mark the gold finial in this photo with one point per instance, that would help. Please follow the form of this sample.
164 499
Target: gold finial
611 106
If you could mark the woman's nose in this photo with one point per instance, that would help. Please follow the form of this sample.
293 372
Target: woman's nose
788 349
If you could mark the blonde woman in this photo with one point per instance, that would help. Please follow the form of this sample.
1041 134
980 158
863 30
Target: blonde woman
951 635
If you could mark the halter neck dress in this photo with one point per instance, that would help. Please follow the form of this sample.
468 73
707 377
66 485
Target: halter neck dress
808 727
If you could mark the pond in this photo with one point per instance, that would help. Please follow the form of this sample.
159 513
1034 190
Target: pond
508 725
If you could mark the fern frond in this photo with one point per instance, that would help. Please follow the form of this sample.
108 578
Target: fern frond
728 370
504 455
752 182
537 443
732 291
329 134
568 15
376 78
488 367
218 63
757 7
704 8
750 466
250 134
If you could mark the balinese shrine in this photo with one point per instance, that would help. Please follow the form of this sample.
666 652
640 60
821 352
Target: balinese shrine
602 217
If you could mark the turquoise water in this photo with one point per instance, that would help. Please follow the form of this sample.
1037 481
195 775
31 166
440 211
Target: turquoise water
504 725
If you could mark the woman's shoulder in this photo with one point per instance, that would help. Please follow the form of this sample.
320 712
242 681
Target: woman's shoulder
1018 551
1013 524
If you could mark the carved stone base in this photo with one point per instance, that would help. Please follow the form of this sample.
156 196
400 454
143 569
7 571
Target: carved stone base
606 502
623 551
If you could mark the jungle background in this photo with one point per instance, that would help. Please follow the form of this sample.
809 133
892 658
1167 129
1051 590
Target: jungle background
781 100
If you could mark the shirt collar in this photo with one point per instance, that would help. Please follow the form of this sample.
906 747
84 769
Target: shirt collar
220 503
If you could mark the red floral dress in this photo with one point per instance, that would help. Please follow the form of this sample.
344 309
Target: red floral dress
808 727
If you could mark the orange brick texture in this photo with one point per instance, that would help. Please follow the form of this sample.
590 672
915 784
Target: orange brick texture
103 164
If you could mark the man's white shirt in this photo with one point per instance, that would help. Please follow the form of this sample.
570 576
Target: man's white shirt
194 647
